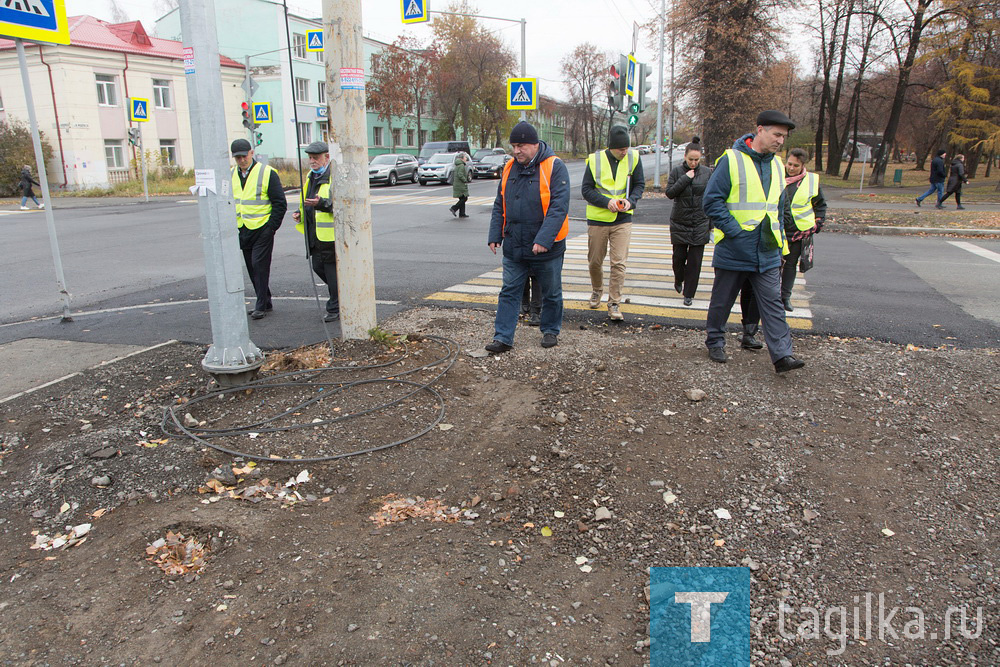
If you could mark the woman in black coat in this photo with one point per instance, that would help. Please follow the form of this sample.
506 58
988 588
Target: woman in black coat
955 182
689 226
25 186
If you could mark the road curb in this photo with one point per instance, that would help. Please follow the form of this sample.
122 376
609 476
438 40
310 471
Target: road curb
900 231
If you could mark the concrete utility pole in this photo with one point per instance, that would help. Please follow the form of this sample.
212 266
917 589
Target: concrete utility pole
352 211
233 358
659 99
142 161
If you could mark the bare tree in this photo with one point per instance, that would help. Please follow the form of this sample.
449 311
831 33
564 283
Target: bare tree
584 70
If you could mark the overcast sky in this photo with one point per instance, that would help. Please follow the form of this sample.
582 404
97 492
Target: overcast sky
553 28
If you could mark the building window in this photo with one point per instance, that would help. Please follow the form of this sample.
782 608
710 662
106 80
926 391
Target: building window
423 137
107 91
305 133
318 56
409 137
161 93
299 46
377 136
324 131
301 90
168 152
397 137
321 92
113 154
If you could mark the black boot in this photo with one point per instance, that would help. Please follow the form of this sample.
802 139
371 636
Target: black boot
749 342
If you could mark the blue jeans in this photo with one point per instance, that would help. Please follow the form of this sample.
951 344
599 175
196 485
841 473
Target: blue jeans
549 274
24 200
935 187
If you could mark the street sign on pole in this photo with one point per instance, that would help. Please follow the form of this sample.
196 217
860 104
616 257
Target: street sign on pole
138 110
261 112
415 11
35 20
314 40
142 162
630 76
522 93
249 85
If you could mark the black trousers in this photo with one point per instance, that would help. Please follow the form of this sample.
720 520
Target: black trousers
257 246
687 265
750 317
531 300
958 196
790 268
327 272
460 205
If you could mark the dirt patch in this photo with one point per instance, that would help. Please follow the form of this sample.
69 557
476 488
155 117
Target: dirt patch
568 472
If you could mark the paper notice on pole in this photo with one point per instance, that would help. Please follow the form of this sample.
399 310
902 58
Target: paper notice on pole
204 182
352 78
189 60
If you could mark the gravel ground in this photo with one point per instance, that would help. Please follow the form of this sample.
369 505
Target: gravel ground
562 476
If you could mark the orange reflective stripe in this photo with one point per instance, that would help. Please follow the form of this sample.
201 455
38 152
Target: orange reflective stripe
544 191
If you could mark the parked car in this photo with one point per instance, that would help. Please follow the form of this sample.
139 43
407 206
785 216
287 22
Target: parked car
434 147
478 156
490 166
440 168
643 150
392 168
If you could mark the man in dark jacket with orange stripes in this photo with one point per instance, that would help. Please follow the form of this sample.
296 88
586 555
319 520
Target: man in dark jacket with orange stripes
530 221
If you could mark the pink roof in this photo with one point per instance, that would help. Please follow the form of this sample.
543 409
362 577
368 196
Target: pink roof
88 32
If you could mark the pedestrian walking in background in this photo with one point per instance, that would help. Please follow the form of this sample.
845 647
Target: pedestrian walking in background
938 175
743 201
24 184
613 184
803 212
460 185
260 209
955 182
315 219
689 225
530 221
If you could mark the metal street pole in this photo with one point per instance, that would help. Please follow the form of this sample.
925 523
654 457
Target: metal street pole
232 358
246 64
524 69
349 191
43 181
673 97
142 161
659 99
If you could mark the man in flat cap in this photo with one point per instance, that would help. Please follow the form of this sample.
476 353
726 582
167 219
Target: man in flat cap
315 219
743 202
530 221
613 184
260 208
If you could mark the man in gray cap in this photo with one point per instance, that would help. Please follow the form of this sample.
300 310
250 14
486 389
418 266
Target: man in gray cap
743 200
315 219
613 183
260 208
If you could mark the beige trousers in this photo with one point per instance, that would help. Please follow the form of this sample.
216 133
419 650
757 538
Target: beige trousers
601 238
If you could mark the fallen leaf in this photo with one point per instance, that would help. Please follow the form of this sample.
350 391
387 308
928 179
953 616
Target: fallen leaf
546 532
720 543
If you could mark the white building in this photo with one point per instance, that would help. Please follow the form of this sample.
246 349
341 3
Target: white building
81 94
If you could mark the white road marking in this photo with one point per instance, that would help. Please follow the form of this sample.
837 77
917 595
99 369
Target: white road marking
976 250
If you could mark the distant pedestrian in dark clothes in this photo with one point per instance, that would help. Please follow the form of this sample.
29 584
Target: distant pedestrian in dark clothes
955 182
938 175
25 186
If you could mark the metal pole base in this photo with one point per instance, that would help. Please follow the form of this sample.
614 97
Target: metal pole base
230 380
231 368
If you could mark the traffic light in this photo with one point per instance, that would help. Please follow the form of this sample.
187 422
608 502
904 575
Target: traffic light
247 120
258 138
623 76
133 136
644 85
614 101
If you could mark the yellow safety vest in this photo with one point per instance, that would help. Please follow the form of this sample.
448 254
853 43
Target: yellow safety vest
612 187
324 221
746 201
253 208
802 205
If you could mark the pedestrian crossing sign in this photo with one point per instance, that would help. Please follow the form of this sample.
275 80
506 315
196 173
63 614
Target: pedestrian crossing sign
415 11
630 76
36 20
314 40
522 93
138 109
262 112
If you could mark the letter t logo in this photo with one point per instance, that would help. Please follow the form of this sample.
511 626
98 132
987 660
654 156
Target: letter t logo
701 612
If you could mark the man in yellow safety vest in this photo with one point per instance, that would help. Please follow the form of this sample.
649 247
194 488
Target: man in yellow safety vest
613 183
743 200
315 219
260 208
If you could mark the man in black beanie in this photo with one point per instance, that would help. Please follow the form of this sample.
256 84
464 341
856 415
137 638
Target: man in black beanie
530 220
612 190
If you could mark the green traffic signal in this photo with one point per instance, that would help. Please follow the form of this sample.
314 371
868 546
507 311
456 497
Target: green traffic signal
633 119
259 138
634 108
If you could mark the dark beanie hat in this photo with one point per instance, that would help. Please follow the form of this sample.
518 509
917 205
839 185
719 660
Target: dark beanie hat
618 137
523 133
774 117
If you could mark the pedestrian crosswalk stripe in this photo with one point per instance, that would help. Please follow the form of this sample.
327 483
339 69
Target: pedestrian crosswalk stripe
649 281
420 200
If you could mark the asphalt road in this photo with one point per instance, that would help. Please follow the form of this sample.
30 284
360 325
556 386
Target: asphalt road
136 273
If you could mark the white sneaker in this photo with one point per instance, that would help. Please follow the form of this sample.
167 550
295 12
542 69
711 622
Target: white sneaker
41 206
595 299
24 208
615 313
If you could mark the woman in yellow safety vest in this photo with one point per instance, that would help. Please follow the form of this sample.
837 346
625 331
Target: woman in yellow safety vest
803 215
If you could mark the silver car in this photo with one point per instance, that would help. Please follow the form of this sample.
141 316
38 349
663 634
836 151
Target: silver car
392 168
440 168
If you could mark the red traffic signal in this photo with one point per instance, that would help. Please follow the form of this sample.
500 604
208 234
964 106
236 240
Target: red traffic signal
245 106
614 72
247 121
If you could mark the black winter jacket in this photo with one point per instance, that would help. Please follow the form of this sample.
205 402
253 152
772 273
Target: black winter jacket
938 171
26 182
957 177
688 223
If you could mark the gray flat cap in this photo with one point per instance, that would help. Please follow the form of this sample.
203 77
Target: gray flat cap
317 148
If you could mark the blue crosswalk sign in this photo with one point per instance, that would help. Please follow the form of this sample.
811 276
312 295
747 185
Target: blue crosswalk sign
138 109
314 40
262 112
522 93
36 20
415 11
